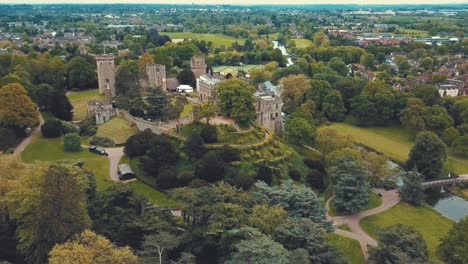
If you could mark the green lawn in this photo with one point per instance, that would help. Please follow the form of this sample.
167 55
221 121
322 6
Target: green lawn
344 227
235 69
302 43
118 129
429 223
217 39
374 202
43 149
79 100
349 247
187 109
394 142
153 196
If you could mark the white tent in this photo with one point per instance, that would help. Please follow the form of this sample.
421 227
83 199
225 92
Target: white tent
183 88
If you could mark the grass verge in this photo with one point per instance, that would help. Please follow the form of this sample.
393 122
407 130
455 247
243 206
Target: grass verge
349 247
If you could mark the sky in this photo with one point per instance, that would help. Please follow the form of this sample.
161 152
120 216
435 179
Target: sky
238 2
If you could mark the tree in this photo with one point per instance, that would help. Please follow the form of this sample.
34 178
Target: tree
236 99
302 233
436 119
319 89
81 74
378 166
352 187
52 128
209 134
205 110
412 116
194 146
187 77
460 146
261 250
60 106
427 63
429 94
449 135
210 167
412 190
156 106
50 207
320 39
155 246
126 79
452 248
299 132
333 106
427 155
298 200
143 61
327 140
17 110
138 144
162 153
266 218
400 244
368 61
90 248
339 66
293 89
71 142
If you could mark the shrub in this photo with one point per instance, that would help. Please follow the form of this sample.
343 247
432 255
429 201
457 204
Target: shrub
184 178
52 128
210 167
88 127
294 174
68 127
138 144
265 174
316 179
71 142
103 142
229 154
209 134
314 164
166 178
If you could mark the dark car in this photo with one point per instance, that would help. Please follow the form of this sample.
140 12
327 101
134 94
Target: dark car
98 150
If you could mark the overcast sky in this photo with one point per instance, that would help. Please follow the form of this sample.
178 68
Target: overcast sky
239 2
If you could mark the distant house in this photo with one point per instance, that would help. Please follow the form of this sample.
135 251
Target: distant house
126 172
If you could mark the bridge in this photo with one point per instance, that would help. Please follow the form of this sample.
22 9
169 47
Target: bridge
446 181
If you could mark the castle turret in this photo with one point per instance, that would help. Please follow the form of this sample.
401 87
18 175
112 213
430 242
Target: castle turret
198 66
156 75
106 74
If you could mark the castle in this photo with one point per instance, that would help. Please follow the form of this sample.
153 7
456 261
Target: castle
268 108
106 74
156 75
198 66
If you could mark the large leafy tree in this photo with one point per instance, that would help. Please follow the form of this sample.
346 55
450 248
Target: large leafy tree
293 90
156 246
17 110
261 250
299 131
50 207
412 190
333 106
352 187
266 218
400 244
186 76
205 110
460 146
412 116
297 199
161 154
90 248
328 139
81 74
436 119
429 94
452 248
236 99
427 155
126 79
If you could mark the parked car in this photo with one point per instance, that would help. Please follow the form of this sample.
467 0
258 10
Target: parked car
98 150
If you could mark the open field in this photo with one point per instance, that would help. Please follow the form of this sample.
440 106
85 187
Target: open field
217 39
117 129
302 43
349 247
374 201
394 142
429 223
79 100
44 149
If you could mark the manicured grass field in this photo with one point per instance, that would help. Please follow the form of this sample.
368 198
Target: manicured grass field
44 149
349 247
429 223
374 202
217 39
79 100
302 43
118 129
394 142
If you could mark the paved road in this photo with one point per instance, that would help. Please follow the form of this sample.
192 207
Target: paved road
115 154
25 142
389 199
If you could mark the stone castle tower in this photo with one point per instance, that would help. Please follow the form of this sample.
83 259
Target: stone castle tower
156 75
198 66
268 108
106 74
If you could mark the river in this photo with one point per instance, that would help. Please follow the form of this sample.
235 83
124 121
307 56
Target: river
447 204
285 53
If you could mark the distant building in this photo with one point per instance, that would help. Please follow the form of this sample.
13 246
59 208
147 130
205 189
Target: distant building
206 87
157 75
106 74
450 87
198 66
102 112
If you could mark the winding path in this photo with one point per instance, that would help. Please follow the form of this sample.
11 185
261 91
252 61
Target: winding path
389 199
114 156
25 142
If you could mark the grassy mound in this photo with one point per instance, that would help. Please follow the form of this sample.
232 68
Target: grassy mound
79 100
117 129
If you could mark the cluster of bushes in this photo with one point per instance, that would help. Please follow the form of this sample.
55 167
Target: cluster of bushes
55 128
102 142
8 138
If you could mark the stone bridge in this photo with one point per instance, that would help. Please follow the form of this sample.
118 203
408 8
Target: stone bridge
158 127
447 181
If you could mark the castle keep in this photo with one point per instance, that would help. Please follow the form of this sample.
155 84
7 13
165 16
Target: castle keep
106 74
156 75
198 66
268 108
